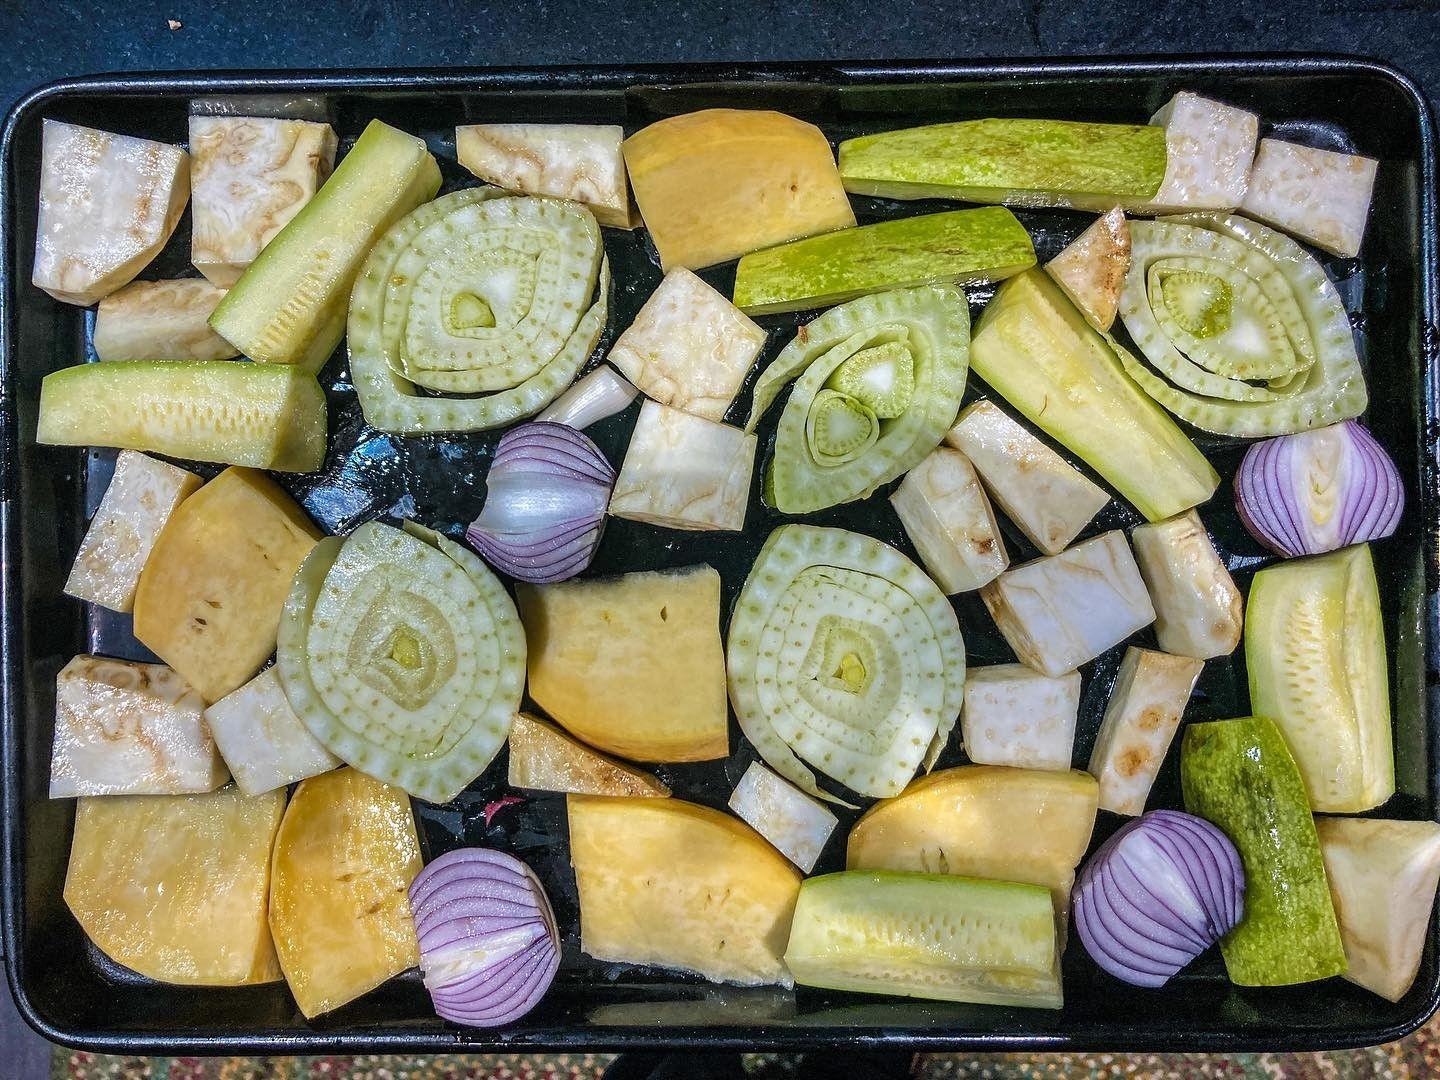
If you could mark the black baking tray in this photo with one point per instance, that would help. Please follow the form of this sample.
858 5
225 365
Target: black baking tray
73 995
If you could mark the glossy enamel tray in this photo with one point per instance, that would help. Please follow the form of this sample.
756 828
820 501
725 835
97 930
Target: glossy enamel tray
74 995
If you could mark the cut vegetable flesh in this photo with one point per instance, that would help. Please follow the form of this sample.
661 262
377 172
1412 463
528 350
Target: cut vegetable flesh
344 857
176 887
262 740
204 410
160 320
927 936
403 655
1036 349
569 161
1092 268
1315 651
544 757
289 305
689 888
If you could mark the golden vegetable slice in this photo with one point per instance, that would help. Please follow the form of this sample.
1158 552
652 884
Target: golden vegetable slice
544 758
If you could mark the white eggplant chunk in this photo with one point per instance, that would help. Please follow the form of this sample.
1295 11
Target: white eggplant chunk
1091 269
948 519
684 472
797 825
130 729
1062 610
1016 716
250 175
261 739
108 204
1151 692
1209 147
161 320
1041 492
1317 195
689 347
568 161
1198 609
142 495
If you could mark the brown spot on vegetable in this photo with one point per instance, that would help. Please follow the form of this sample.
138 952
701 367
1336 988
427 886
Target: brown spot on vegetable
1132 761
1151 719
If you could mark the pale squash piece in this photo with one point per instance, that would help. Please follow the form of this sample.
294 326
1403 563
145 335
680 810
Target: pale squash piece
716 184
544 758
210 597
339 910
176 887
682 886
632 665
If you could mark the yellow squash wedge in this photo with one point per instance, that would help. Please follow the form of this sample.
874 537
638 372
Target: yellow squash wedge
175 887
339 909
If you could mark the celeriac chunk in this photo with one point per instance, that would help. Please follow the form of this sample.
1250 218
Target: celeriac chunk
1092 268
1062 610
689 347
1209 147
161 320
142 495
251 175
1016 716
130 729
684 472
108 203
1198 610
1040 491
1149 698
544 758
795 823
262 740
949 520
1318 195
569 161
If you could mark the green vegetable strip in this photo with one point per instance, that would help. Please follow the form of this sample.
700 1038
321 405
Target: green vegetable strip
845 653
831 446
403 655
479 292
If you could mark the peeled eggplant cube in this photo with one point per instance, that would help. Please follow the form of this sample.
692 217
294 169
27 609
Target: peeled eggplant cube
1150 695
261 739
949 520
142 495
689 347
1061 611
1198 610
567 161
251 175
1040 491
1016 716
795 823
1318 195
684 472
108 204
1209 148
130 729
161 320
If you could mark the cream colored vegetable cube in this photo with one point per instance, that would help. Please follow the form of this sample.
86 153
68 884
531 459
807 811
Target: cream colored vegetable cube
142 495
130 729
161 320
795 823
1016 716
684 472
949 520
1209 147
689 347
108 204
1091 270
1150 695
568 161
1063 610
1198 610
251 175
1036 488
1318 195
262 740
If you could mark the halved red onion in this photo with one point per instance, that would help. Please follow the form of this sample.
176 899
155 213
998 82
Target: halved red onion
545 501
489 946
1157 894
604 392
1319 490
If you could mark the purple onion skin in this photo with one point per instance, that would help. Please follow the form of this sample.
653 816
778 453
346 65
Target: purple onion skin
1132 919
1273 479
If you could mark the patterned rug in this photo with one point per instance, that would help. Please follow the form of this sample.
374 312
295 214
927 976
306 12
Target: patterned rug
1415 1057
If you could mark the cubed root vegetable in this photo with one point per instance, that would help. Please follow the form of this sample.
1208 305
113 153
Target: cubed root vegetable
1209 147
161 320
1198 610
262 740
1318 195
567 161
544 758
949 520
796 824
1092 268
1016 716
